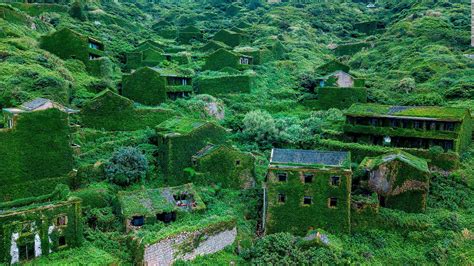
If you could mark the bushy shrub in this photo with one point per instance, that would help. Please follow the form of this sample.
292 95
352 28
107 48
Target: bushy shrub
260 127
406 85
77 11
127 165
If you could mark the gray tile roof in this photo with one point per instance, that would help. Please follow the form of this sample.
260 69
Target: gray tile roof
34 104
309 157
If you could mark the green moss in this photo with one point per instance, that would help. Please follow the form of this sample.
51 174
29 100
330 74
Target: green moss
224 84
228 37
259 55
223 58
335 97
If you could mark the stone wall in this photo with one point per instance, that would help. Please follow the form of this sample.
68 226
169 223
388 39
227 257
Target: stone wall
187 246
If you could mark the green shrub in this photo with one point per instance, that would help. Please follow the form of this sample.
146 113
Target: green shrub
127 165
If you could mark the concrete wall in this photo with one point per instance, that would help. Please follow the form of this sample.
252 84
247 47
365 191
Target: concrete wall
180 247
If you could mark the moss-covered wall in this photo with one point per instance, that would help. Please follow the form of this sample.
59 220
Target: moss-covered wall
149 57
68 44
39 221
230 38
188 34
37 148
112 112
223 58
334 97
226 166
350 48
332 66
225 84
145 86
260 56
295 217
176 151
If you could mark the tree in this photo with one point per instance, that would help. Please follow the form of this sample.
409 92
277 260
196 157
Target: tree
126 166
406 85
260 127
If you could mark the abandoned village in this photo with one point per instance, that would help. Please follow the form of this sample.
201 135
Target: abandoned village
152 164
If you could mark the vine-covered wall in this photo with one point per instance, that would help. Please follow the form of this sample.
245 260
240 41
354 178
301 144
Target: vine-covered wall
36 149
176 150
334 97
224 84
297 218
223 58
228 37
145 86
112 112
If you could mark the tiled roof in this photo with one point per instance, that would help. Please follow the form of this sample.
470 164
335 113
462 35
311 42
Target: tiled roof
309 157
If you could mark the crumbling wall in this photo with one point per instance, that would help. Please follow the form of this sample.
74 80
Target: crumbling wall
188 245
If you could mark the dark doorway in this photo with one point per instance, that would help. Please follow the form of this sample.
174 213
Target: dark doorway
381 201
166 217
26 251
138 220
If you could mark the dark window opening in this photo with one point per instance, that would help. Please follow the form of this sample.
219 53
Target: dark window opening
26 251
168 57
281 197
332 202
449 126
195 162
138 221
307 200
61 220
94 56
185 200
166 217
237 162
381 201
359 205
308 178
177 94
61 241
335 180
282 177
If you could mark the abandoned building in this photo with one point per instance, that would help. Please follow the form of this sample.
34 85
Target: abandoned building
229 38
151 54
68 44
152 86
308 189
148 206
401 180
369 27
24 171
225 83
178 139
420 127
112 112
38 227
259 55
213 45
235 169
331 67
188 34
224 58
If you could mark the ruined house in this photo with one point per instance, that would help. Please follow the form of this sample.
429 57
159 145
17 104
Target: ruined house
213 45
152 86
151 54
35 227
68 44
420 127
260 55
188 34
308 189
401 180
235 169
229 38
149 206
225 83
36 149
223 58
179 139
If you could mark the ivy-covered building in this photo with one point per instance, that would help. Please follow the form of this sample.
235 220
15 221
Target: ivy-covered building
38 226
420 127
213 45
149 206
36 149
188 34
260 55
308 189
228 37
151 54
112 112
224 58
224 165
401 180
369 27
179 139
340 90
225 84
68 44
152 86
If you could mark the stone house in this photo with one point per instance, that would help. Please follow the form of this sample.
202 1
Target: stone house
401 180
188 34
178 139
112 112
69 44
149 206
308 189
224 165
213 45
260 55
419 127
225 84
151 54
39 226
224 58
152 86
228 37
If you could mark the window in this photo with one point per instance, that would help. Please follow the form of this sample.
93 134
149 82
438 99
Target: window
417 124
61 241
61 220
184 82
93 56
237 162
332 202
137 221
282 177
26 251
10 123
244 61
449 126
335 181
307 200
195 163
308 178
166 217
281 197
